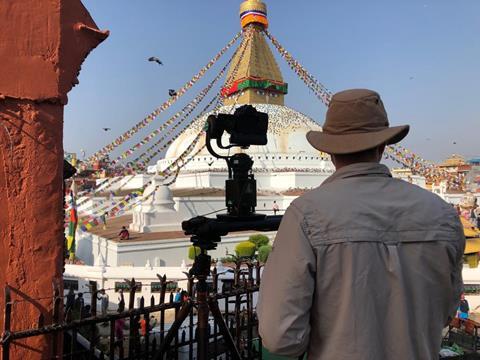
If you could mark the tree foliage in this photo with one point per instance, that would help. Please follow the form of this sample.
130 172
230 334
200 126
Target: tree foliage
245 249
263 253
259 240
193 251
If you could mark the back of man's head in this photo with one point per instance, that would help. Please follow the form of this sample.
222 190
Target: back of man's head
371 155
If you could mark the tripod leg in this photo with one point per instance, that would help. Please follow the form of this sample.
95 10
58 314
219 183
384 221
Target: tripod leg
182 315
217 315
203 324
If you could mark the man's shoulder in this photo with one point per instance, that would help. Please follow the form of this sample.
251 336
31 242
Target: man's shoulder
424 196
340 193
416 190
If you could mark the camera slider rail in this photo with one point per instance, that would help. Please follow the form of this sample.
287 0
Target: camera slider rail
207 232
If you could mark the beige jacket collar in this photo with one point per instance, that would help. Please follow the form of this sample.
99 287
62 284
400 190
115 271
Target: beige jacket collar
359 169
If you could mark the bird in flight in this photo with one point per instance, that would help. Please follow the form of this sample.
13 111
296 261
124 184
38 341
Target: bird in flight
155 59
106 129
172 92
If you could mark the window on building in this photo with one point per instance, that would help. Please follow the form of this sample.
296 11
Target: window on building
471 289
156 287
124 286
227 285
67 284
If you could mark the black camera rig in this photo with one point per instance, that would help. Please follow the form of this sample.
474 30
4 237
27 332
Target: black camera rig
246 127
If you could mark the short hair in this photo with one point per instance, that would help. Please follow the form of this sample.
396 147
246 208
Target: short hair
361 156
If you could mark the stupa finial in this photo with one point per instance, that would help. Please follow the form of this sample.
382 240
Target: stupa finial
253 12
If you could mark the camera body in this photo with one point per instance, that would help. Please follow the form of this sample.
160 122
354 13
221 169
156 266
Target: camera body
246 127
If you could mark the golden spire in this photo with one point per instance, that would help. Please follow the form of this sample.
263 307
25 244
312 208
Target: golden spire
254 76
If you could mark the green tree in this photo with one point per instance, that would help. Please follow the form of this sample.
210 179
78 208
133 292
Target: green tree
259 240
245 249
193 251
263 252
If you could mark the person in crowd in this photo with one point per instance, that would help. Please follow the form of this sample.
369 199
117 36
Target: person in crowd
473 218
153 322
184 296
142 328
357 262
124 234
103 297
119 326
463 308
86 311
103 217
457 208
465 213
178 296
121 301
275 207
70 302
79 305
477 216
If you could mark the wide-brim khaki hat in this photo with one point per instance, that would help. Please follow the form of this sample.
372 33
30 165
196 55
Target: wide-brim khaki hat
356 121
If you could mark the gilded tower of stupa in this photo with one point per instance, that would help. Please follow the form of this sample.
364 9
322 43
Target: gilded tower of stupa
254 76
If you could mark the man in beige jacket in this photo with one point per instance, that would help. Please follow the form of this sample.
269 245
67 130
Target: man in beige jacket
364 267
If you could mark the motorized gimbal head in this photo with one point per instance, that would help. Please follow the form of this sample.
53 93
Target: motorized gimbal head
246 127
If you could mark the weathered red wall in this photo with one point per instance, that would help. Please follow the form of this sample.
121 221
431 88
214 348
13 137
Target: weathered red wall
42 45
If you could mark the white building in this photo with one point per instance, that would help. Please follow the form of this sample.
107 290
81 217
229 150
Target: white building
158 249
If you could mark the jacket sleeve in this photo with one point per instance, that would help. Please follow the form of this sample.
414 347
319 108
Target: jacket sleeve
456 274
287 287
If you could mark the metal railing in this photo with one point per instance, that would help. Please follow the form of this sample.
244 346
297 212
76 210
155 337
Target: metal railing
130 333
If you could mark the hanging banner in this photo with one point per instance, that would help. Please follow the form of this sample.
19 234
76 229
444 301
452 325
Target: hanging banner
72 228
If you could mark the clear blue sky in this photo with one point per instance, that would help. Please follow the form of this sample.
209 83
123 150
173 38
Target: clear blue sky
423 56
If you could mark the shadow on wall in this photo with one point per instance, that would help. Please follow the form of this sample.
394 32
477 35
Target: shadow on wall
190 206
197 208
157 262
